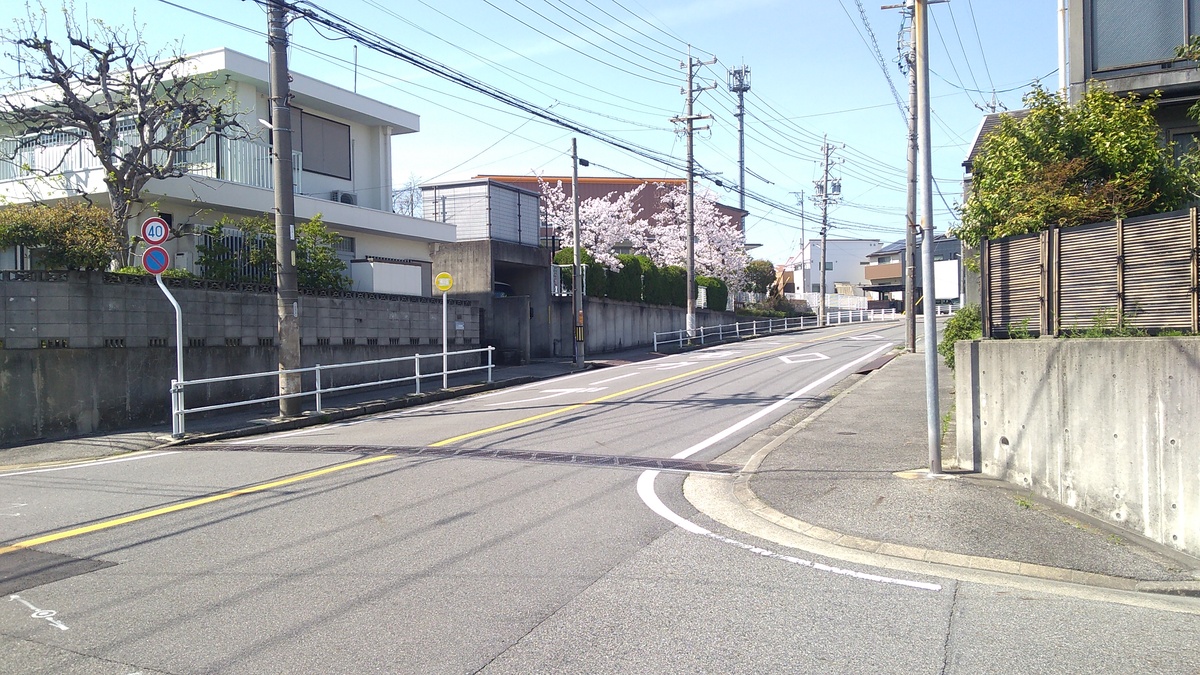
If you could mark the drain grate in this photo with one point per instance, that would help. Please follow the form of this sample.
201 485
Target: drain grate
540 456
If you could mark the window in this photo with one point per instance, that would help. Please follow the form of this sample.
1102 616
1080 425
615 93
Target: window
325 144
828 267
1132 33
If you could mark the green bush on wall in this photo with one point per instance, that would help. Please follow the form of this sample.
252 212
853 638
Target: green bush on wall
966 324
626 283
718 292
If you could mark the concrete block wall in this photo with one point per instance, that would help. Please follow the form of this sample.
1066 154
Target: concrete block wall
92 309
1104 426
89 352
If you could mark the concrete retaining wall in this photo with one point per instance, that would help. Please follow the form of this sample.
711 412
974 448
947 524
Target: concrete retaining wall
89 352
613 325
1108 427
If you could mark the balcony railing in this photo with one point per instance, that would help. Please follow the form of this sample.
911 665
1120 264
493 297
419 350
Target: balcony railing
239 161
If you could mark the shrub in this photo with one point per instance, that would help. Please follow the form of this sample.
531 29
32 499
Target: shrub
626 283
67 235
718 292
169 274
673 283
966 324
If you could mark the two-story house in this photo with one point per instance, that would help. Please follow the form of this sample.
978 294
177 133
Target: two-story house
342 158
1129 47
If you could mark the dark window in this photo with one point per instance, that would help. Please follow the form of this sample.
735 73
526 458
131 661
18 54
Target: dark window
326 146
1128 33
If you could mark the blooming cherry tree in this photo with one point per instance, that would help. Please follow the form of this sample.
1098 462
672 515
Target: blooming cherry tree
604 222
720 244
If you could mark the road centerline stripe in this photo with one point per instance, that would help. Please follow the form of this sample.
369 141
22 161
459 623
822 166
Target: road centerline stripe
624 392
260 487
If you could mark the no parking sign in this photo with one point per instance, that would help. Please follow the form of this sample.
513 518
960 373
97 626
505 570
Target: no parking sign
156 260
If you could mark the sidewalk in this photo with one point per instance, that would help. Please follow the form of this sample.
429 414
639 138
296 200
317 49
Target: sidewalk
846 476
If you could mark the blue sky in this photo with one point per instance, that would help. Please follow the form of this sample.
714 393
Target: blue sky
614 66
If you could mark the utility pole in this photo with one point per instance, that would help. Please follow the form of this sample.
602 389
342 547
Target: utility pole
576 277
287 295
827 192
689 119
910 229
739 83
921 33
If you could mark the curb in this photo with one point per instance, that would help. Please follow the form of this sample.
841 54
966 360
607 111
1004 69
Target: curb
751 503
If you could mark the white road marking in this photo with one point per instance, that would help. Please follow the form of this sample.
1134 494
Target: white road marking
670 366
716 354
47 614
86 464
865 337
645 489
805 357
550 393
398 415
614 379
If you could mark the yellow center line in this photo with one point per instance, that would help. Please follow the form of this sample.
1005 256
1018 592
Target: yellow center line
104 525
625 392
261 487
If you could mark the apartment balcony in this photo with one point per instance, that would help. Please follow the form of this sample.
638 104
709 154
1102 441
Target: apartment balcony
884 272
240 161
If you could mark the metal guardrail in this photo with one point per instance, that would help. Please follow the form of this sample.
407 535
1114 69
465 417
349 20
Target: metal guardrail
179 411
705 334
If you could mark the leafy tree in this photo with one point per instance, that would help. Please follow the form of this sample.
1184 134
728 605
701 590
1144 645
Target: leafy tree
251 257
138 112
1065 165
760 276
68 235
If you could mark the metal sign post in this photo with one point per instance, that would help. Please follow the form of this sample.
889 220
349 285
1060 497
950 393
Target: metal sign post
444 282
156 260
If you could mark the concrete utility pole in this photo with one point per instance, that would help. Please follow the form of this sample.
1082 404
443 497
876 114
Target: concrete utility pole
910 230
921 34
689 120
1063 81
287 295
739 83
576 276
827 193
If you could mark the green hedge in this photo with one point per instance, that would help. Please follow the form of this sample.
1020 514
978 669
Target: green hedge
640 280
718 292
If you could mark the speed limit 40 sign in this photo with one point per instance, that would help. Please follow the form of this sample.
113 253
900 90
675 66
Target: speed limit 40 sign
155 231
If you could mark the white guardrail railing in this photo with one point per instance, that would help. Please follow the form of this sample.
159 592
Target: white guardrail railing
179 411
742 329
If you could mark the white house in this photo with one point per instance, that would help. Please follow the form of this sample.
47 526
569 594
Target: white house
844 263
342 156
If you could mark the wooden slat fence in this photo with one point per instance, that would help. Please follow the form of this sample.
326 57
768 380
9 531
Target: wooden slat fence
1144 269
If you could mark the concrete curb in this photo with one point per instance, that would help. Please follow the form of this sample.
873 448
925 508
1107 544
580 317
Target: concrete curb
847 547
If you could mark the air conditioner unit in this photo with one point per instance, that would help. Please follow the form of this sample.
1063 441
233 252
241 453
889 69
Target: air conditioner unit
343 197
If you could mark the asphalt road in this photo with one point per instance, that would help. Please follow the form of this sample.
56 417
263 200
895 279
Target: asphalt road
532 530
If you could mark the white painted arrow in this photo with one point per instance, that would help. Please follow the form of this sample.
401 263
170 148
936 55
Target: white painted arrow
47 614
806 357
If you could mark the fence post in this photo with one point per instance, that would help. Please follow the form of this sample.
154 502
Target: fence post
176 409
1195 272
1120 271
317 370
985 288
656 341
490 350
417 370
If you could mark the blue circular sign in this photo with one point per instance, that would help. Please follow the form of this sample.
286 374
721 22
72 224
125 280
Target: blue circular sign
156 260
